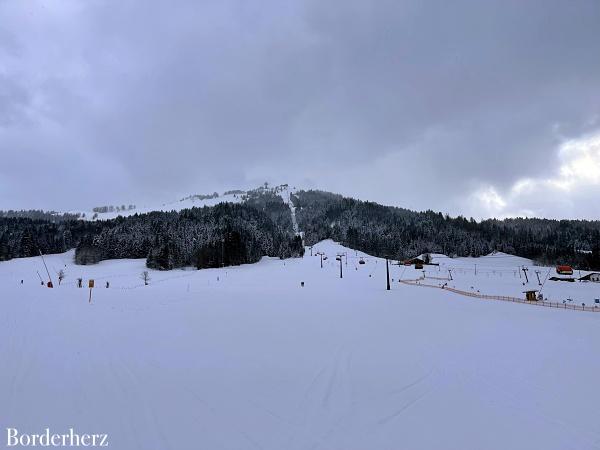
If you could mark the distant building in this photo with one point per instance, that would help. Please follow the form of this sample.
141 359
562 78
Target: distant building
531 296
564 270
593 277
414 261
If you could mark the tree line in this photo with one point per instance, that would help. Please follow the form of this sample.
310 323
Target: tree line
261 225
400 233
223 235
51 216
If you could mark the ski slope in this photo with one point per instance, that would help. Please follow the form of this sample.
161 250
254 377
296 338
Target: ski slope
285 192
186 203
245 358
193 201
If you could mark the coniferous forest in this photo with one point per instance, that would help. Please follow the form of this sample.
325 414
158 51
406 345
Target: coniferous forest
232 234
400 233
223 235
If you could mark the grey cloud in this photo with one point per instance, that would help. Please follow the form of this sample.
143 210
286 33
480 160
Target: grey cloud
190 96
14 101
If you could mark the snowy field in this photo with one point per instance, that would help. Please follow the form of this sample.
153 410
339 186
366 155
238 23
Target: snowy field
502 274
284 191
186 203
245 358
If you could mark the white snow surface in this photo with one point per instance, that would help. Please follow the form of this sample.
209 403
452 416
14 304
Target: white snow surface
286 195
502 274
193 201
245 358
186 203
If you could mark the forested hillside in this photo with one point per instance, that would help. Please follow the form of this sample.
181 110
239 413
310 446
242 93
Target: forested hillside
401 233
261 225
226 234
223 235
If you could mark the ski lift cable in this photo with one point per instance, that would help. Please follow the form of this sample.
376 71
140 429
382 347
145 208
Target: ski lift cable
402 274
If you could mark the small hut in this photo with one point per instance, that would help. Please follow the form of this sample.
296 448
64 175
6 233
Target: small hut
417 262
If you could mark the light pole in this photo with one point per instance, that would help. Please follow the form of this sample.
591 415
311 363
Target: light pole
321 255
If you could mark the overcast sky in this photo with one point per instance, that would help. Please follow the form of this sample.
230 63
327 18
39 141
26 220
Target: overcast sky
482 108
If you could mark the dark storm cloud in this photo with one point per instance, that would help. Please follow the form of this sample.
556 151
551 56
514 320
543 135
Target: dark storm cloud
125 101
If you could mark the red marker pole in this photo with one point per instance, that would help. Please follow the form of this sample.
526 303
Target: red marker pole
91 286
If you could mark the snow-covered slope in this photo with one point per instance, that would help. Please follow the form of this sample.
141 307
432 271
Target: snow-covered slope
286 193
245 358
185 203
502 274
198 201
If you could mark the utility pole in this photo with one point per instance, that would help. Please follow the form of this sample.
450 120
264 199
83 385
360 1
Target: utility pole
341 269
537 273
525 269
387 271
